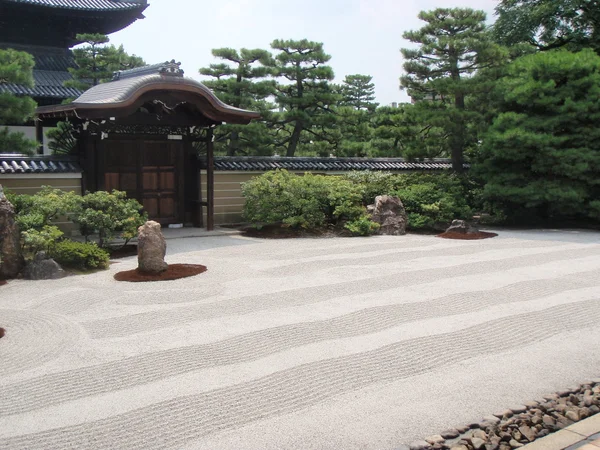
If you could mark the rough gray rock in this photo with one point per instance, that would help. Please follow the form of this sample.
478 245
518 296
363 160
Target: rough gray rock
389 212
43 268
152 248
420 445
461 226
11 259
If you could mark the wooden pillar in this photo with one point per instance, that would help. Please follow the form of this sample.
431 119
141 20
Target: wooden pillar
210 182
39 136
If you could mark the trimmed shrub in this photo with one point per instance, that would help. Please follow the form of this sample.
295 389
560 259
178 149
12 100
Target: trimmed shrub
308 201
432 201
38 240
80 255
110 215
363 226
372 184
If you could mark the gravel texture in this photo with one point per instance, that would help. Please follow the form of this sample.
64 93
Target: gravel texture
354 343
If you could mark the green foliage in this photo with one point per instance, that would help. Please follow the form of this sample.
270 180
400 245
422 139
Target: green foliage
15 68
38 210
541 156
453 45
305 97
308 201
432 200
97 61
358 92
372 184
109 215
80 255
240 81
549 24
38 240
363 226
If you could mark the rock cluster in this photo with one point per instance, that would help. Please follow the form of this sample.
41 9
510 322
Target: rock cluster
389 212
520 425
43 268
462 227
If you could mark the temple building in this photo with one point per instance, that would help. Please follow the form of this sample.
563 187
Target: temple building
47 29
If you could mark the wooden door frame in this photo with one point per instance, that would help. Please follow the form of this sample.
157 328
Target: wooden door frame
138 145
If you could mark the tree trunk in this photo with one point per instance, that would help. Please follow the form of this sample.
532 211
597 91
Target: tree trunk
457 142
291 150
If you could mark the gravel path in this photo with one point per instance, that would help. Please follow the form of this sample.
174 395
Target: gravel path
363 343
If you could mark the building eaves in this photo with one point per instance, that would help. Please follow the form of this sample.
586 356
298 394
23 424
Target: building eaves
88 5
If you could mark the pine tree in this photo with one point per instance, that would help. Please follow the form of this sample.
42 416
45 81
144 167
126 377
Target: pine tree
15 68
97 61
358 91
306 97
453 46
241 81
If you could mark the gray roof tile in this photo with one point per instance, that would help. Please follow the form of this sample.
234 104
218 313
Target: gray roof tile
262 163
18 164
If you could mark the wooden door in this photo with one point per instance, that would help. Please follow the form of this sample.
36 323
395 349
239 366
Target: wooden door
150 171
160 187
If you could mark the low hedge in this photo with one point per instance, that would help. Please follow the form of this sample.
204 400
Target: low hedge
80 255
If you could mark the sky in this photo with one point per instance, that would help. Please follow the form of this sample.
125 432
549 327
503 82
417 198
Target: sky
362 36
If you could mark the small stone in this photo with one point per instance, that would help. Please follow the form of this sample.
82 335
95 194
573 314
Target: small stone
527 432
492 419
518 409
532 404
477 443
505 436
462 429
550 397
594 409
584 413
420 445
480 434
588 400
515 444
435 439
535 420
544 432
574 400
450 434
548 420
572 415
564 393
459 447
517 435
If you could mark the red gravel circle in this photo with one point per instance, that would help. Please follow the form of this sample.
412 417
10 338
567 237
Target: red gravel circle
174 272
467 236
2 332
3 282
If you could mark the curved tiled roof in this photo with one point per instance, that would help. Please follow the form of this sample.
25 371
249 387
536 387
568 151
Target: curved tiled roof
90 5
262 163
128 86
19 164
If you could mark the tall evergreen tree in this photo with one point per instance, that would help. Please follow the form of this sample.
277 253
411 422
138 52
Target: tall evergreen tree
452 46
358 91
241 81
306 97
15 68
96 61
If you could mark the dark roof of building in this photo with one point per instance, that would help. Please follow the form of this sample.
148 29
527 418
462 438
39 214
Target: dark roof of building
128 86
18 164
88 5
49 73
262 163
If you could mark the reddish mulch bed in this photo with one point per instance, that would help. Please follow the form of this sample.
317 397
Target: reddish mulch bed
123 252
467 236
3 282
2 332
174 272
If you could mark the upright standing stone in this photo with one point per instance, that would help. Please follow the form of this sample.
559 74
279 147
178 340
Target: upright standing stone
152 248
11 259
389 212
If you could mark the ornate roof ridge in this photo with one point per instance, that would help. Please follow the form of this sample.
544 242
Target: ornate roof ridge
170 68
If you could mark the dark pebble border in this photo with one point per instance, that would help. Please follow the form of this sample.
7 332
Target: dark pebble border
520 425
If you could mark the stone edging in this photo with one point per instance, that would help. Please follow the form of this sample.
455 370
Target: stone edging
520 425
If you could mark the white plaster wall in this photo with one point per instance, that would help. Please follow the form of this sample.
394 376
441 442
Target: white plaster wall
29 132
